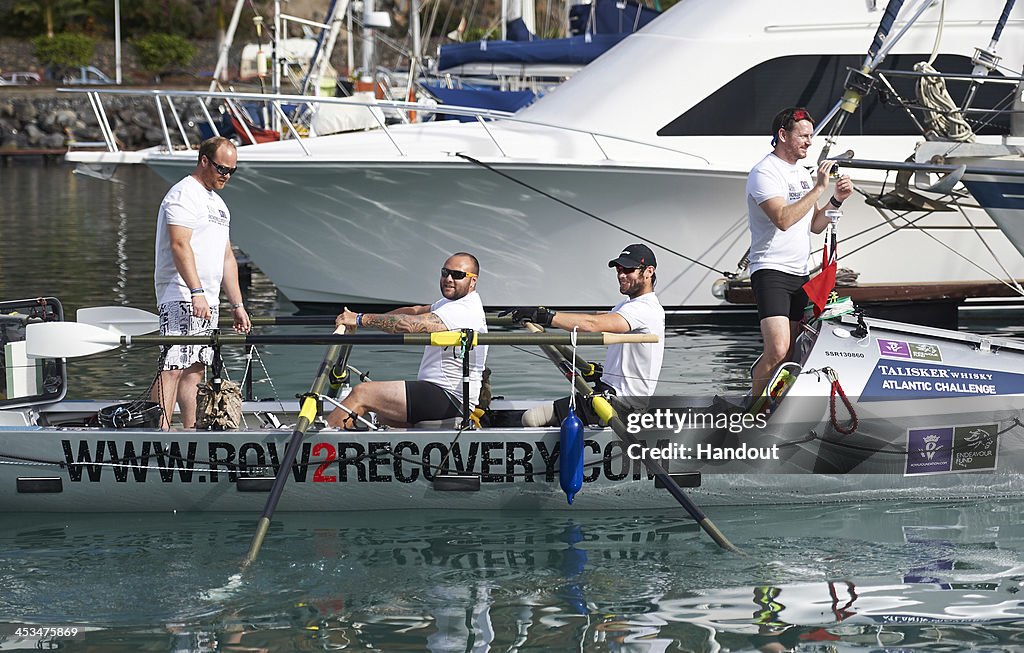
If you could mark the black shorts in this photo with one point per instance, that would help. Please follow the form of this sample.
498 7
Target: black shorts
425 401
779 294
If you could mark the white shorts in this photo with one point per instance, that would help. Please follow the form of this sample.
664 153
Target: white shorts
176 319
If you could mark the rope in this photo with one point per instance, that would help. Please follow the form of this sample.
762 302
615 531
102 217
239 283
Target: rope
572 378
944 116
838 389
728 275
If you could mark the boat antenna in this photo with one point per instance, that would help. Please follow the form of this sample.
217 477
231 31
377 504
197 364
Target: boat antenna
985 60
859 82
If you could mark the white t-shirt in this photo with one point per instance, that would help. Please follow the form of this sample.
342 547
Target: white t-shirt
772 248
189 204
439 364
633 369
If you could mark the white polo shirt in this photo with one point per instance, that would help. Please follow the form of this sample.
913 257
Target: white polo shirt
633 369
772 248
440 365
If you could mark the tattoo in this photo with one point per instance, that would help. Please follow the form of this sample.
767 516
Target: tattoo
397 323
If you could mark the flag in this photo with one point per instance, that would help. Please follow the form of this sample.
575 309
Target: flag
819 287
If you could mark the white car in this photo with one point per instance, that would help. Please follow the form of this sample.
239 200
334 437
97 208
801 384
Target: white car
19 79
87 75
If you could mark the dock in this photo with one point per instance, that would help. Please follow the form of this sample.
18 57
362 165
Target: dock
928 303
48 155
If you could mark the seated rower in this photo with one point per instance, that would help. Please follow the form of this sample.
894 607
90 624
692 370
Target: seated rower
631 370
437 392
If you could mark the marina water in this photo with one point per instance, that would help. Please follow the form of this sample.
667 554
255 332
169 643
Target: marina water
860 576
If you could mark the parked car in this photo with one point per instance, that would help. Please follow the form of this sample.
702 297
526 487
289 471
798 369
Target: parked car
19 78
87 75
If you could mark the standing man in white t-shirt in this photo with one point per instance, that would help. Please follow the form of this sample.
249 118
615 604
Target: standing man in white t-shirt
436 394
193 261
782 212
631 370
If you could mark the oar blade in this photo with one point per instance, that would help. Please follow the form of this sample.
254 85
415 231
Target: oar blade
124 320
68 340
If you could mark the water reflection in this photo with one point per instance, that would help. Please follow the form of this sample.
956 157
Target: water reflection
859 575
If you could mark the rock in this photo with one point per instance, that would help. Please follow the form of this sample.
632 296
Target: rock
25 111
53 141
154 136
34 134
142 119
65 117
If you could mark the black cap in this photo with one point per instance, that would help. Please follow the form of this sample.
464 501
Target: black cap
635 256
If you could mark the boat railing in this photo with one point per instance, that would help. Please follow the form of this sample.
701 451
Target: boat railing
175 136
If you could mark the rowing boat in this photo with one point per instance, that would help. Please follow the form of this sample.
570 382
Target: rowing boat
871 410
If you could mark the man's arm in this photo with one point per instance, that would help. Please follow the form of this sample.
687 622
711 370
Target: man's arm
844 188
185 263
234 291
395 321
785 215
591 322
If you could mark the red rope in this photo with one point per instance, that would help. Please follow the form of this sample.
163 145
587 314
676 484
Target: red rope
838 389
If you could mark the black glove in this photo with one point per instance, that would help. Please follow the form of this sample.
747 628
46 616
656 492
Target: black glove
536 314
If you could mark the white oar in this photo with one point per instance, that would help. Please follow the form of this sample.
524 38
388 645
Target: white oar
68 340
123 319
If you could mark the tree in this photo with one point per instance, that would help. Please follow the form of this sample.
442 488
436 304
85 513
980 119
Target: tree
64 51
159 53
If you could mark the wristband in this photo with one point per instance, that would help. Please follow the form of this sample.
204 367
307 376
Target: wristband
359 319
239 305
834 202
196 291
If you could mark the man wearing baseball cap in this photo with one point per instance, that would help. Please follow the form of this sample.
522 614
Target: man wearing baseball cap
631 369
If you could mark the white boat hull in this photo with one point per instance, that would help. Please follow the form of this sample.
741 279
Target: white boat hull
940 415
373 232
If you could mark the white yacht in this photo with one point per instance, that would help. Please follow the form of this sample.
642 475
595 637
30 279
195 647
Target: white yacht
651 142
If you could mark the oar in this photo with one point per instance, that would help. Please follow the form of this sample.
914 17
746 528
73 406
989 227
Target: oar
71 339
137 322
307 414
607 413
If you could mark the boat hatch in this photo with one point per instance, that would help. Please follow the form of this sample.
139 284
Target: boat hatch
28 381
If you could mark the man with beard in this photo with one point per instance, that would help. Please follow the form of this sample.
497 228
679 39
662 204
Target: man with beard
437 392
631 370
782 212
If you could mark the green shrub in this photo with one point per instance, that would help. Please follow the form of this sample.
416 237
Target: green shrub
64 51
159 53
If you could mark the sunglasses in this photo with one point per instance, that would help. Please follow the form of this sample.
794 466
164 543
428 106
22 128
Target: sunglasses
224 170
624 270
457 275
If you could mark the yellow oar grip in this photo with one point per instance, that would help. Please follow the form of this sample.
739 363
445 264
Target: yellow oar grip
308 409
603 409
448 338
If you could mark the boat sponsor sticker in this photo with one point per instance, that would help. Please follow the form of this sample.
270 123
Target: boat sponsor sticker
952 449
912 380
909 350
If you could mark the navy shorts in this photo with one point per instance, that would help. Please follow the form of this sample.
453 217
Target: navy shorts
425 401
779 294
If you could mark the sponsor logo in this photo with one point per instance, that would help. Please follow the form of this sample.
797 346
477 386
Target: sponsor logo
952 449
909 350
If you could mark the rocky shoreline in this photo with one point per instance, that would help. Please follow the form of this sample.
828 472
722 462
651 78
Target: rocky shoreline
43 119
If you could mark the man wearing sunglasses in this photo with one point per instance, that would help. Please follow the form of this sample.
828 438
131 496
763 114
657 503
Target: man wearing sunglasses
782 211
631 370
436 394
194 260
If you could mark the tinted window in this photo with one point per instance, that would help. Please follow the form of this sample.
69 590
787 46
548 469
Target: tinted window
745 106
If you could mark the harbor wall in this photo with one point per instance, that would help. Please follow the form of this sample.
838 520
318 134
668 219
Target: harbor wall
44 119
